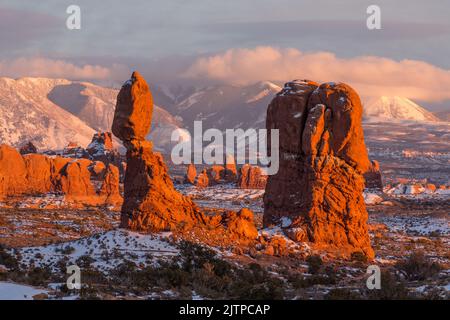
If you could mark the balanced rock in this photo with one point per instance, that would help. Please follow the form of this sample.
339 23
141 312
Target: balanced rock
318 190
151 202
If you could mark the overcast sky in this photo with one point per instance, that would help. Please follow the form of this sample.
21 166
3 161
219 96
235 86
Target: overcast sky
165 38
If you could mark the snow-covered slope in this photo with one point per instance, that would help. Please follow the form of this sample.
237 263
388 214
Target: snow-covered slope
26 114
53 112
396 108
224 106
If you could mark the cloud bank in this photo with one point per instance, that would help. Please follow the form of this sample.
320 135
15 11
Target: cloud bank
371 76
55 68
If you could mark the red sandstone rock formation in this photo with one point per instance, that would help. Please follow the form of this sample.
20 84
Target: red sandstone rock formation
13 172
101 148
37 174
202 180
73 150
191 174
151 203
230 173
216 174
240 225
372 176
251 177
110 186
317 193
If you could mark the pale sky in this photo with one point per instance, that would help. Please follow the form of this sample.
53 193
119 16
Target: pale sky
163 38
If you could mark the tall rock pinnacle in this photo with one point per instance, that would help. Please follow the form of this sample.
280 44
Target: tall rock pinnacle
317 194
151 203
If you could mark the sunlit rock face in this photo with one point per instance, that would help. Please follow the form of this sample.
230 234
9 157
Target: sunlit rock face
151 202
317 194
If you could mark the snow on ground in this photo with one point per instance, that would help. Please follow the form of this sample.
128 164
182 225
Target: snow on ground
225 196
14 291
108 249
419 225
372 198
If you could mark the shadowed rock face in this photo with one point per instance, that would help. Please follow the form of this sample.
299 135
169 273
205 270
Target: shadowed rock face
317 193
151 203
373 177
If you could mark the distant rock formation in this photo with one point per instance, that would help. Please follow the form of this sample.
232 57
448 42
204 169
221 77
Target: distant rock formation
317 194
28 147
101 148
202 180
73 150
230 173
191 174
38 174
213 175
251 177
372 177
151 202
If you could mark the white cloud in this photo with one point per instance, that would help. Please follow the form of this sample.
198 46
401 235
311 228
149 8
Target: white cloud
371 76
54 68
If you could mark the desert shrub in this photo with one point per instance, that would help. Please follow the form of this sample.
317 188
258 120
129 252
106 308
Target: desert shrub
66 250
314 264
418 267
7 259
84 261
343 294
391 288
359 257
39 276
301 282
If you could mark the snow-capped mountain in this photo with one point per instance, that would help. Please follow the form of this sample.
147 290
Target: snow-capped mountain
53 112
396 108
222 106
26 114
